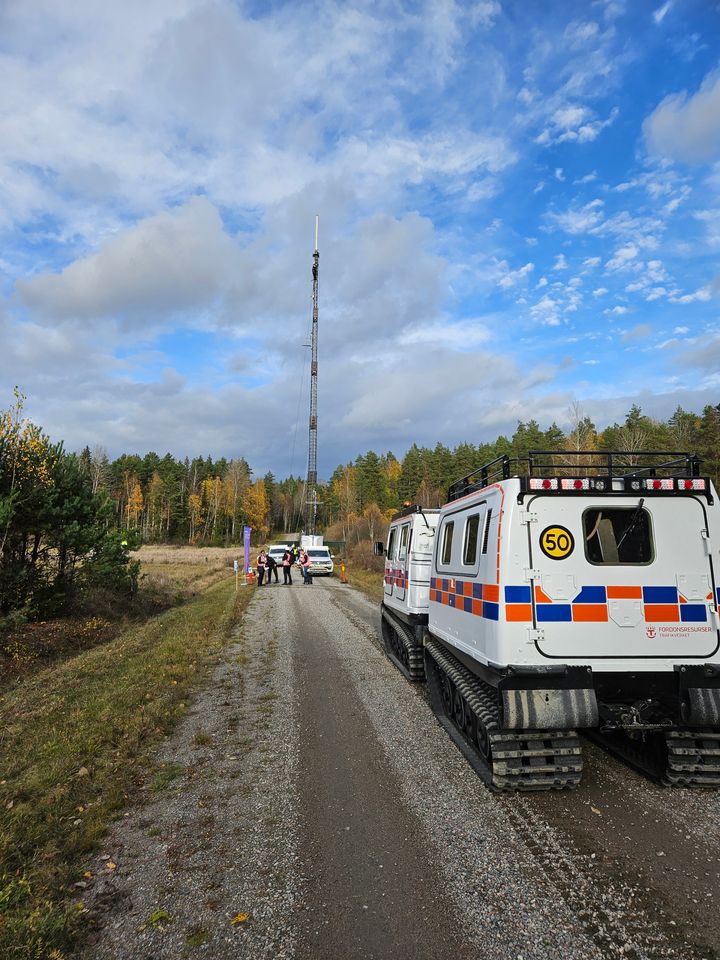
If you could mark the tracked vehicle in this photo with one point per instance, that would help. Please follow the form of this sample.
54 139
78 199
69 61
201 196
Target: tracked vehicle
404 610
577 591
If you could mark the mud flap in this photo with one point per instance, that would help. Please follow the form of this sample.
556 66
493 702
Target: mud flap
549 709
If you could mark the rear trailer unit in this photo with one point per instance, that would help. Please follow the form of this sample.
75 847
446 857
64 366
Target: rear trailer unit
404 610
577 590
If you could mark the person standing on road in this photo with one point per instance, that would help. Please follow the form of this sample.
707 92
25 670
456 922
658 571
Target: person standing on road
261 561
271 565
305 567
287 561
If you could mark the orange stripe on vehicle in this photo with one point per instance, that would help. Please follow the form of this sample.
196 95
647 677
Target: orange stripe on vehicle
518 612
477 608
541 596
468 588
589 613
682 599
669 612
624 593
491 592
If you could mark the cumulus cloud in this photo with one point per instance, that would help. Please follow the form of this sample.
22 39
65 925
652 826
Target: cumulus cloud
578 220
622 258
687 127
701 295
177 260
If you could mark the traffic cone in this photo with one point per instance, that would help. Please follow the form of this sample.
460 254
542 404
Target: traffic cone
250 576
343 578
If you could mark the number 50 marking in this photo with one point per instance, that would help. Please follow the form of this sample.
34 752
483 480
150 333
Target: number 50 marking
557 542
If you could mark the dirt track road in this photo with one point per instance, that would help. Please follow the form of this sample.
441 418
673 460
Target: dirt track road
313 799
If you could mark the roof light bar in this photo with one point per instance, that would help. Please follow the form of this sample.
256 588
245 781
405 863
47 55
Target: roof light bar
692 484
544 483
576 484
659 483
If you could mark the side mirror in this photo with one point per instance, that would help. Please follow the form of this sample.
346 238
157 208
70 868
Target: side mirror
379 548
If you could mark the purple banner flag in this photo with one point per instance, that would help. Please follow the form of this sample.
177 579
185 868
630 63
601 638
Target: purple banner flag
246 547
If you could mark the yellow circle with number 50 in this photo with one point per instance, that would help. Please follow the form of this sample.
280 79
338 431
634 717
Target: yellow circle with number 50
557 542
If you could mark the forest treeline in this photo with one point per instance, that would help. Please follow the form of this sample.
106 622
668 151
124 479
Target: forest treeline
209 502
66 518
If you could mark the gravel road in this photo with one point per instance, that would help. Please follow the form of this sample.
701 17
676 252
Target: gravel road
311 807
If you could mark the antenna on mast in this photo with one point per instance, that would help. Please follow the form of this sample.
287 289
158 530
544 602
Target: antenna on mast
311 504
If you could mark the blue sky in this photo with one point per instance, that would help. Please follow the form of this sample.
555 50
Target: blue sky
519 209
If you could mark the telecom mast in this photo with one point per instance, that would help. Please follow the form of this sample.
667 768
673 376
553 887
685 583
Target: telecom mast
311 503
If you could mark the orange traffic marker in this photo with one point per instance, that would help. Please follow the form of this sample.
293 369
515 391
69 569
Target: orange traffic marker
343 578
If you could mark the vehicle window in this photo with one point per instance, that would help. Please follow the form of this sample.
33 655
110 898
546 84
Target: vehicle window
472 526
403 548
446 551
618 535
325 554
486 534
391 544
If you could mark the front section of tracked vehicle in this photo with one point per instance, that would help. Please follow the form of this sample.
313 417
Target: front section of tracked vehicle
578 597
406 584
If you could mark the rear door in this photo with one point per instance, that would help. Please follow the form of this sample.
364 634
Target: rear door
389 560
401 564
611 578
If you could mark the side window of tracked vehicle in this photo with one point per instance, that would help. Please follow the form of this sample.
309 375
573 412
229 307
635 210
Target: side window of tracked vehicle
391 544
470 545
447 541
403 548
618 535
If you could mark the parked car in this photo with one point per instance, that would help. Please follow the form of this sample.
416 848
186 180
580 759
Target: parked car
321 561
276 551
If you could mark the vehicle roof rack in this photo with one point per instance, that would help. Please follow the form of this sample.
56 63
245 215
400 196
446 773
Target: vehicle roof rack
578 463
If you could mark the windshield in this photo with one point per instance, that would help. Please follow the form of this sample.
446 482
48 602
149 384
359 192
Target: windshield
322 554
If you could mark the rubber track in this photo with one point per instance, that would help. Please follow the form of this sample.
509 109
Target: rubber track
678 758
528 760
414 668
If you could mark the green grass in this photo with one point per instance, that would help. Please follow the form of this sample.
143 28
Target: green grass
75 746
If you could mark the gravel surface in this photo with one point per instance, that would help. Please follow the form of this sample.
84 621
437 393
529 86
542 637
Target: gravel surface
218 843
311 789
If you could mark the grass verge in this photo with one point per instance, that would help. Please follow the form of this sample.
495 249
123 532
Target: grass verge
370 582
75 744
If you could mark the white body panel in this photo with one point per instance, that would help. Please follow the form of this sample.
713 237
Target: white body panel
311 540
408 562
515 604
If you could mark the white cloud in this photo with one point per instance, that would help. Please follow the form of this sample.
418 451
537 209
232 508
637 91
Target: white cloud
560 262
579 32
622 258
660 13
591 261
600 292
464 335
513 277
580 220
702 295
559 175
616 311
175 261
546 311
681 330
687 128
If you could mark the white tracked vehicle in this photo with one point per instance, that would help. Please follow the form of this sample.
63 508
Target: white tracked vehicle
404 610
568 591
